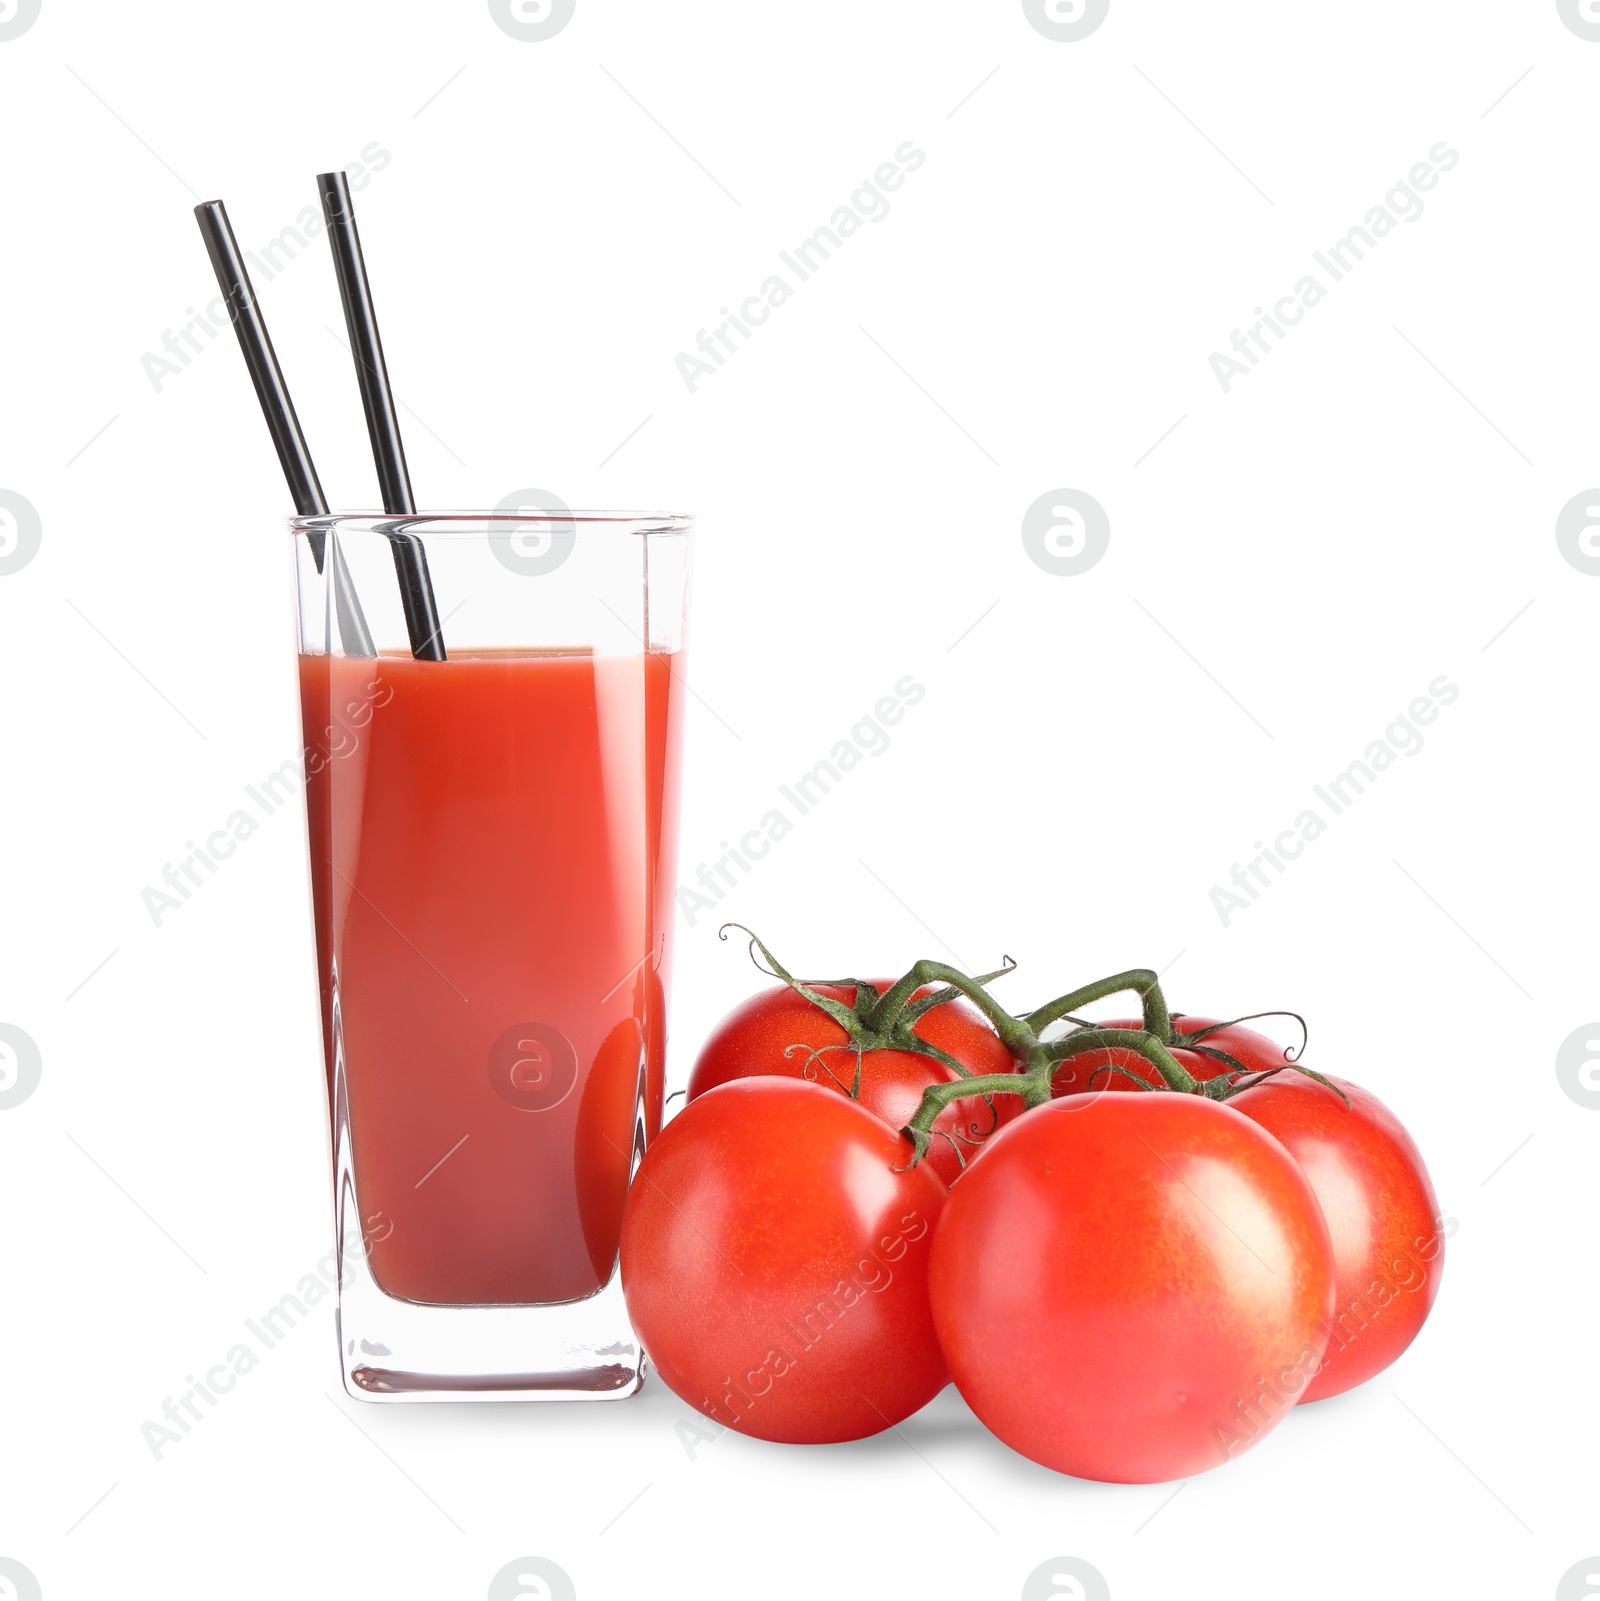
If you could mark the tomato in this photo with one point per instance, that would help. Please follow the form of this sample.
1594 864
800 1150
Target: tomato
1388 1248
775 1263
1132 1288
754 1039
603 1147
1089 1071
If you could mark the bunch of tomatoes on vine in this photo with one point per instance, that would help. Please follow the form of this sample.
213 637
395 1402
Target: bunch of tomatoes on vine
1134 1246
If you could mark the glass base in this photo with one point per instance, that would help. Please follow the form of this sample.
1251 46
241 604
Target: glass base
391 1350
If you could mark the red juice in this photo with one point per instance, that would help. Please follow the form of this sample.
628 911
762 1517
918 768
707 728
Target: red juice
492 846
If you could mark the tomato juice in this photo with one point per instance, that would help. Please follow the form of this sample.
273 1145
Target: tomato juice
493 843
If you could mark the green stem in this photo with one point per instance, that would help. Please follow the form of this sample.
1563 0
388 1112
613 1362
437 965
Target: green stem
915 1009
1141 980
1014 1035
1035 1091
1250 1017
837 1010
1176 1075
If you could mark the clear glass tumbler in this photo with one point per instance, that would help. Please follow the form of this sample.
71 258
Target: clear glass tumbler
492 842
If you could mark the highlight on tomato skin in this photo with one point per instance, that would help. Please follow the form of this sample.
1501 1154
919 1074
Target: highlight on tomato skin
1132 1288
775 1248
779 1032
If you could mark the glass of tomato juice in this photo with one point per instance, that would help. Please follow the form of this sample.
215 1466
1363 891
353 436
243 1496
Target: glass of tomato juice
493 844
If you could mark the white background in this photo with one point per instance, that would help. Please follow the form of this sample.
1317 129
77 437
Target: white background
1294 562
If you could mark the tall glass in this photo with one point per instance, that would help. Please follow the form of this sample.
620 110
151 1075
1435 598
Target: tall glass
492 841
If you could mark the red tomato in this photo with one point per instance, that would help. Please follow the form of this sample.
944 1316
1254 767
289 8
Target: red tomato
1132 1287
754 1039
1368 1176
775 1263
604 1141
1089 1071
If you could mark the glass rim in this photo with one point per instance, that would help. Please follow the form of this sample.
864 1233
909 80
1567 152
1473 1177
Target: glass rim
480 524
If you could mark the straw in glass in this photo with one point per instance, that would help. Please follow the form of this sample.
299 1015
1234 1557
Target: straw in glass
383 426
293 453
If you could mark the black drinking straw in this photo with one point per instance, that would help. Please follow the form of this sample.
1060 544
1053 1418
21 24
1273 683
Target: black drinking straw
383 426
262 362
